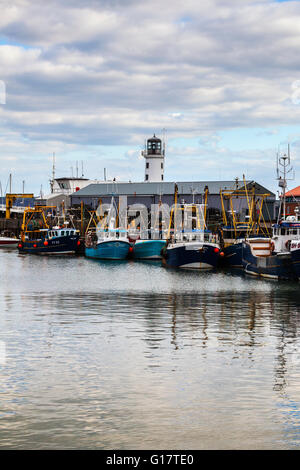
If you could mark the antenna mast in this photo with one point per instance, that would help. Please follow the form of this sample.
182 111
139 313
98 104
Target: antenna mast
285 163
53 173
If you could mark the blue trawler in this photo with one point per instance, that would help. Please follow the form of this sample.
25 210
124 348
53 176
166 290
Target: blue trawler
38 238
110 245
192 254
148 249
105 241
295 255
273 258
193 247
234 231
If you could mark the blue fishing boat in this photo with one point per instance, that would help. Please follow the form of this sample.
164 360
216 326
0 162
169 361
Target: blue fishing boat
192 255
107 247
262 258
272 258
233 254
191 247
233 251
295 255
148 249
239 227
105 241
38 238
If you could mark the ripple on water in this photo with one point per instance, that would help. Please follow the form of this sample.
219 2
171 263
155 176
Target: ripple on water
132 355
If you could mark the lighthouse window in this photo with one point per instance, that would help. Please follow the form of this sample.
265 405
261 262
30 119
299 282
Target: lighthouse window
147 165
146 177
162 177
162 166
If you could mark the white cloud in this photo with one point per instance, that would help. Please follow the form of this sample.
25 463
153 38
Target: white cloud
111 72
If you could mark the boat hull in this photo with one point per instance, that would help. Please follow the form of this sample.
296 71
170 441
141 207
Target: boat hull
57 246
233 255
192 255
148 249
113 249
295 254
274 266
6 242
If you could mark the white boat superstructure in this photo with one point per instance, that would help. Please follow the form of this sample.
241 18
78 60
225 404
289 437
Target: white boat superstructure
8 241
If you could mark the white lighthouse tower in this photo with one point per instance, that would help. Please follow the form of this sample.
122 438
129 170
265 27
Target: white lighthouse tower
154 155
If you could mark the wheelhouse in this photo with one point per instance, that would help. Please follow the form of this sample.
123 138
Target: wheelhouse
61 232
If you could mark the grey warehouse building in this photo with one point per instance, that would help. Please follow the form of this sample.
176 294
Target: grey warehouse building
148 193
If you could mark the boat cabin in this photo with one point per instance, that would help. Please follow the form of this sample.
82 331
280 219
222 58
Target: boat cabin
284 232
61 232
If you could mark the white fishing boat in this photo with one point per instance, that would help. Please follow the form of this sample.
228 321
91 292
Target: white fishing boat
8 240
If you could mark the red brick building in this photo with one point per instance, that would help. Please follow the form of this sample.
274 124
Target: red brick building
292 200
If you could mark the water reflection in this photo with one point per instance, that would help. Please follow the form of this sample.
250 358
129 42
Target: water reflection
132 355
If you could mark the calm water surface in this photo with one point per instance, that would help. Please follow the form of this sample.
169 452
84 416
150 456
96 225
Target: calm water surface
134 356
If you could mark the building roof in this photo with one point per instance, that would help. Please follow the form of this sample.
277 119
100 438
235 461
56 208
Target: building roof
79 178
117 188
150 188
293 192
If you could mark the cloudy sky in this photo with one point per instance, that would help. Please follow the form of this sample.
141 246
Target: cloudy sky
90 80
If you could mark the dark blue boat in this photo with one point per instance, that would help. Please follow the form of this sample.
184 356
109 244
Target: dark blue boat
273 258
192 255
38 238
295 254
189 244
233 255
54 241
266 263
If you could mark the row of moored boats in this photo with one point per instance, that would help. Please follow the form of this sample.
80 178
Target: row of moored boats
193 247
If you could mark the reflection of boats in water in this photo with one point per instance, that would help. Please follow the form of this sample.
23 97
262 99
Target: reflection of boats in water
193 247
38 238
8 240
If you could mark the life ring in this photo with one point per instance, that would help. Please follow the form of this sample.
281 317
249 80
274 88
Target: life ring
272 246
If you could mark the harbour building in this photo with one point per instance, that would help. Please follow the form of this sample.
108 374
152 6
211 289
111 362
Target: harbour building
154 190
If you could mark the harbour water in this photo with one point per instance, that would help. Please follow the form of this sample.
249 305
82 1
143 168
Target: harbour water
130 355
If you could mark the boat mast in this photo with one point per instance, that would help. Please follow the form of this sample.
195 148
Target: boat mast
53 173
285 163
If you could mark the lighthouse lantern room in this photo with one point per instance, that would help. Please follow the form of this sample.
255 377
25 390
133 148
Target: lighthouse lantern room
154 155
